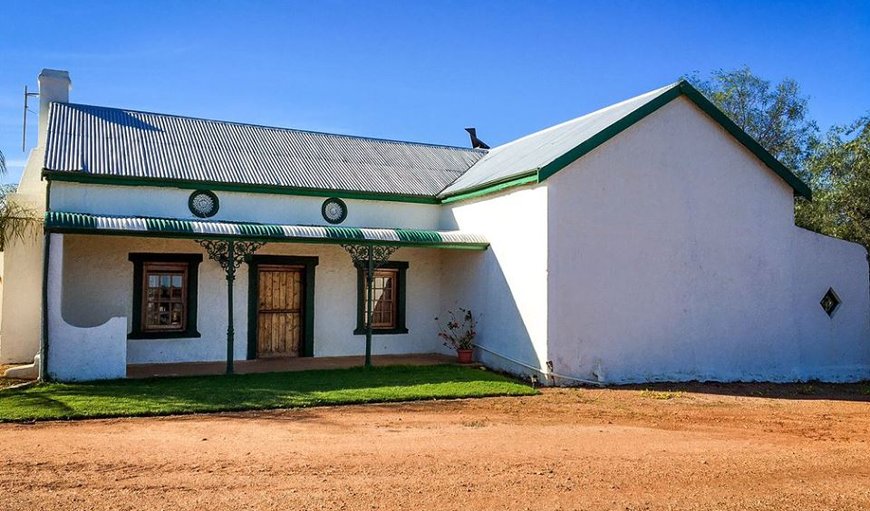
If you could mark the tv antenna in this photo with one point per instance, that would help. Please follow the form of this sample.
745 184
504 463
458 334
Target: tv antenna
27 95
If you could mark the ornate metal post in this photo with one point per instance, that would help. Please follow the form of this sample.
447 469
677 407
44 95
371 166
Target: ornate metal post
369 258
230 254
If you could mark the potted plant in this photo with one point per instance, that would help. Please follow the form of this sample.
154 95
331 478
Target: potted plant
459 333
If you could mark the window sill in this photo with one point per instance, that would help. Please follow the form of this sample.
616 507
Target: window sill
164 335
391 331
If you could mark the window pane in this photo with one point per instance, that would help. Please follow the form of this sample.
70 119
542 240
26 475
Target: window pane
164 306
177 315
383 296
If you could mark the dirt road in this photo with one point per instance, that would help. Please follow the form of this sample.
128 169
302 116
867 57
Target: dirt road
698 448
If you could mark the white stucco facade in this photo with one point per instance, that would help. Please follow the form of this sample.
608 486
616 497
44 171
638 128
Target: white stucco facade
98 268
22 276
506 286
167 202
80 353
673 256
667 253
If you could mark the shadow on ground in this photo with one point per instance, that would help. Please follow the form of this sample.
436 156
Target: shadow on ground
809 390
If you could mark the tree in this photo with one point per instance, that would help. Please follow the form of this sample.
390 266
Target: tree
774 115
839 173
837 166
17 220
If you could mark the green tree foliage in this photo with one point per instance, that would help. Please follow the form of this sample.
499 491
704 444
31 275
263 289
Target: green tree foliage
839 173
17 220
836 166
776 115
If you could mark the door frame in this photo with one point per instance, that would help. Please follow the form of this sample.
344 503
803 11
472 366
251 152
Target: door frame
306 347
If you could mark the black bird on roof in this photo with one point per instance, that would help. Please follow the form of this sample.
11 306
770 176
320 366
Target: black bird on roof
476 143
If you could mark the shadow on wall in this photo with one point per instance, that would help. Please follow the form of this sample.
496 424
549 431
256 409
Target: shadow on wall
476 280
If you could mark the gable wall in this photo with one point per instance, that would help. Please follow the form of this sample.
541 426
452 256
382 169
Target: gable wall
20 329
672 257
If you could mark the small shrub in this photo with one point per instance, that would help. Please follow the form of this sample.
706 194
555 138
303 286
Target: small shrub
660 394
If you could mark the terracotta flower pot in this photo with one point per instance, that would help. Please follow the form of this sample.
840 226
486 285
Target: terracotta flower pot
464 356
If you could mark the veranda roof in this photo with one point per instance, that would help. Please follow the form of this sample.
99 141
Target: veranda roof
83 223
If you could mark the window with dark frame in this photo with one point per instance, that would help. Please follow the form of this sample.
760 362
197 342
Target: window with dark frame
164 300
384 290
164 295
388 297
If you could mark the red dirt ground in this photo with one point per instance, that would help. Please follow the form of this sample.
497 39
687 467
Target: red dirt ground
691 447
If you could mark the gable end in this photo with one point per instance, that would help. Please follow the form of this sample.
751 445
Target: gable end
683 88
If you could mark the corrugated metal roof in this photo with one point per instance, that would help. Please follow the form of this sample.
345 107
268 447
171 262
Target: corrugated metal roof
130 144
535 151
64 221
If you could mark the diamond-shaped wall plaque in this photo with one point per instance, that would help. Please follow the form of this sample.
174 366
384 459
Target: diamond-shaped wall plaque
830 302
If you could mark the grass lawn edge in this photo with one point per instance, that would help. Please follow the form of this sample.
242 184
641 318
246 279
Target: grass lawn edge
78 404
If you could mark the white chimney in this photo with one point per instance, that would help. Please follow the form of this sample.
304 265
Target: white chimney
54 86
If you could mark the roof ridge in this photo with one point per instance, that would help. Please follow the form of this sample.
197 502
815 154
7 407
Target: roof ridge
279 128
587 114
638 108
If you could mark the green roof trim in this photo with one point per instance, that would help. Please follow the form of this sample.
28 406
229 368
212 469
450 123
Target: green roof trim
84 223
83 178
531 177
682 88
345 233
744 138
418 236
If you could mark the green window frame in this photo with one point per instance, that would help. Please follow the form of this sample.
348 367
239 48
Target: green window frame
400 286
140 262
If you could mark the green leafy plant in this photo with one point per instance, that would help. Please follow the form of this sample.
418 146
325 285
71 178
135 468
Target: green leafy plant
17 220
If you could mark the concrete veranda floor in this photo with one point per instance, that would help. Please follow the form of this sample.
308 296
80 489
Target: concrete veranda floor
272 365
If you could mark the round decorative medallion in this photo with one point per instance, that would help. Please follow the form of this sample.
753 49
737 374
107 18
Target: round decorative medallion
203 203
334 210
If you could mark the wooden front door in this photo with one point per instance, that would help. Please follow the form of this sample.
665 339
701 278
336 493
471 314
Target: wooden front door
280 310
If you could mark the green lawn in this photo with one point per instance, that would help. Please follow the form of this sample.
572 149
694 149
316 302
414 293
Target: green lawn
166 396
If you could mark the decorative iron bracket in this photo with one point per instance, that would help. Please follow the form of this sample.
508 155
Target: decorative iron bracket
380 254
230 254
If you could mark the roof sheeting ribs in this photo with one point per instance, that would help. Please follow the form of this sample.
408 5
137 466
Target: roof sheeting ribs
128 144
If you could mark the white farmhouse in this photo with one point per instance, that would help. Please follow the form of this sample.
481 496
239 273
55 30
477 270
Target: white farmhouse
652 240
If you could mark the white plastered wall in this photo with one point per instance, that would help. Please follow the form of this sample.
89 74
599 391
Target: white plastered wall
95 352
506 285
673 256
833 348
98 285
237 206
22 277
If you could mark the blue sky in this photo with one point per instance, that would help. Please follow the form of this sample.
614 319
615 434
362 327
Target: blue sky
419 70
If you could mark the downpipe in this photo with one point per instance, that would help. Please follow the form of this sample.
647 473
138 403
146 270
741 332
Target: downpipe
548 373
